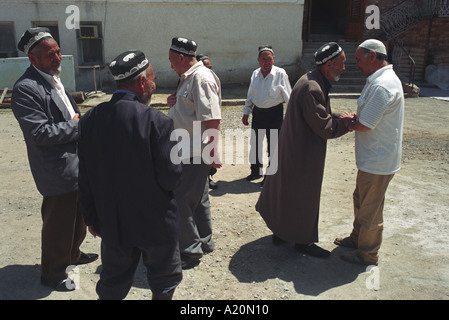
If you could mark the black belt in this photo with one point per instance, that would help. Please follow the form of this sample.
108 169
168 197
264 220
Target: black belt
280 105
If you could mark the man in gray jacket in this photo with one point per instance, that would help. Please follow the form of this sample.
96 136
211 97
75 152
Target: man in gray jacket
48 117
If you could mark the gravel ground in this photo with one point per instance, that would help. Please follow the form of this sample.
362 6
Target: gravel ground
245 265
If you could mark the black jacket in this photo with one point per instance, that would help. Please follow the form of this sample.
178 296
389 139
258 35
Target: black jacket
126 177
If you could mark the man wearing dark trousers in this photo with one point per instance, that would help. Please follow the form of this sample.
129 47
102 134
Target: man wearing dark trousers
126 183
268 90
48 117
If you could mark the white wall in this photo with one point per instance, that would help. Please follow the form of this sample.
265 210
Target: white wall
229 31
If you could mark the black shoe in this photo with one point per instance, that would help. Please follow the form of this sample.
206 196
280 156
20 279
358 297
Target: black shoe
312 250
87 258
253 176
64 285
212 185
188 262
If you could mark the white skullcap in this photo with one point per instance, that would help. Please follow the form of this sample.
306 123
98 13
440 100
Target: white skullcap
374 45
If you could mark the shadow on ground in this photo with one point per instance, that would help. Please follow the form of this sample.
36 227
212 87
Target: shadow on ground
260 260
240 186
22 282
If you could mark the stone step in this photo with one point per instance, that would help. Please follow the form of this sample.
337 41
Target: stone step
351 81
343 88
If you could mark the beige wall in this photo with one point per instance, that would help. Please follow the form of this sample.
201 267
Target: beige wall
228 30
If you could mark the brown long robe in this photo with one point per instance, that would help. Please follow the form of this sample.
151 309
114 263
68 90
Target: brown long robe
289 201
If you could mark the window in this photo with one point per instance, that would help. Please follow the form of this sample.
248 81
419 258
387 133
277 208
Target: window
90 43
7 40
52 25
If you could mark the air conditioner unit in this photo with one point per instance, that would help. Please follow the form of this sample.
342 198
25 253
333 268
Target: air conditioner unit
89 31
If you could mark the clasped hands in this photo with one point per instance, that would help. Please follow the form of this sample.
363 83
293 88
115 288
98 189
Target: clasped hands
347 118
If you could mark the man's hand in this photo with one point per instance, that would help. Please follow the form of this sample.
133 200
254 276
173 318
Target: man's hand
94 231
76 117
350 115
171 100
215 158
245 119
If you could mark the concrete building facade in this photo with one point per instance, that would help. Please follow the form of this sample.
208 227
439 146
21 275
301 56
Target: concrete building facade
229 31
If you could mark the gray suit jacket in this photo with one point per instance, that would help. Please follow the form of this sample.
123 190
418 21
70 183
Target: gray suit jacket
50 134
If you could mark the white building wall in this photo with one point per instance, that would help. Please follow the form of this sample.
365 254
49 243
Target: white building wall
229 31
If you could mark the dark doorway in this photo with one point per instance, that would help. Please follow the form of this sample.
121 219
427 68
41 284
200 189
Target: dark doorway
328 19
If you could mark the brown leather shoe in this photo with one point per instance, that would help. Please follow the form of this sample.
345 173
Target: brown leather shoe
345 242
356 257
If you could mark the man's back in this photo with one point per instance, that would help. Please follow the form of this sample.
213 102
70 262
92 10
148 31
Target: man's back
126 175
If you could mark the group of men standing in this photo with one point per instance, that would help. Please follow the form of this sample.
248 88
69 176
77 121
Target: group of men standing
116 165
112 169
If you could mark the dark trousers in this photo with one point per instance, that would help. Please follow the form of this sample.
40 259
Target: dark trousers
195 233
119 265
264 120
63 232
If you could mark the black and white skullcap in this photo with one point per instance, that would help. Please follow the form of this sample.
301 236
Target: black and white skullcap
327 52
32 37
184 46
266 48
202 57
128 64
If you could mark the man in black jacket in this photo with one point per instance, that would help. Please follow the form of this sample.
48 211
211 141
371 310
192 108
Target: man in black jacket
126 183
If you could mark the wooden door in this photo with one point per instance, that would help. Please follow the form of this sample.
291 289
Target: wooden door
355 20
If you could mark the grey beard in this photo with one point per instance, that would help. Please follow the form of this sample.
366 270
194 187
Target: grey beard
146 99
56 73
336 77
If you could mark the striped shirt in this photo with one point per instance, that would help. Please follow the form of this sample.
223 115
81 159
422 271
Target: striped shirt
380 108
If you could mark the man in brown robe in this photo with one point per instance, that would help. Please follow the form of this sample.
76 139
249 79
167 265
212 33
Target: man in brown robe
290 198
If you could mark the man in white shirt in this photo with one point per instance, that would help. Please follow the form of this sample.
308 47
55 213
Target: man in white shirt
197 109
268 90
378 127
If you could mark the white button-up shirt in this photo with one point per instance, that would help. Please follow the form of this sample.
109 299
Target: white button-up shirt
380 108
56 83
269 91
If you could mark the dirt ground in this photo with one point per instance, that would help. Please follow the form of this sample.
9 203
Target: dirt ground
245 265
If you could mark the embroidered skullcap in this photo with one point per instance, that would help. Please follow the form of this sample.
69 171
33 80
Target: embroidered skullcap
184 46
327 52
32 37
374 45
128 64
266 48
202 57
